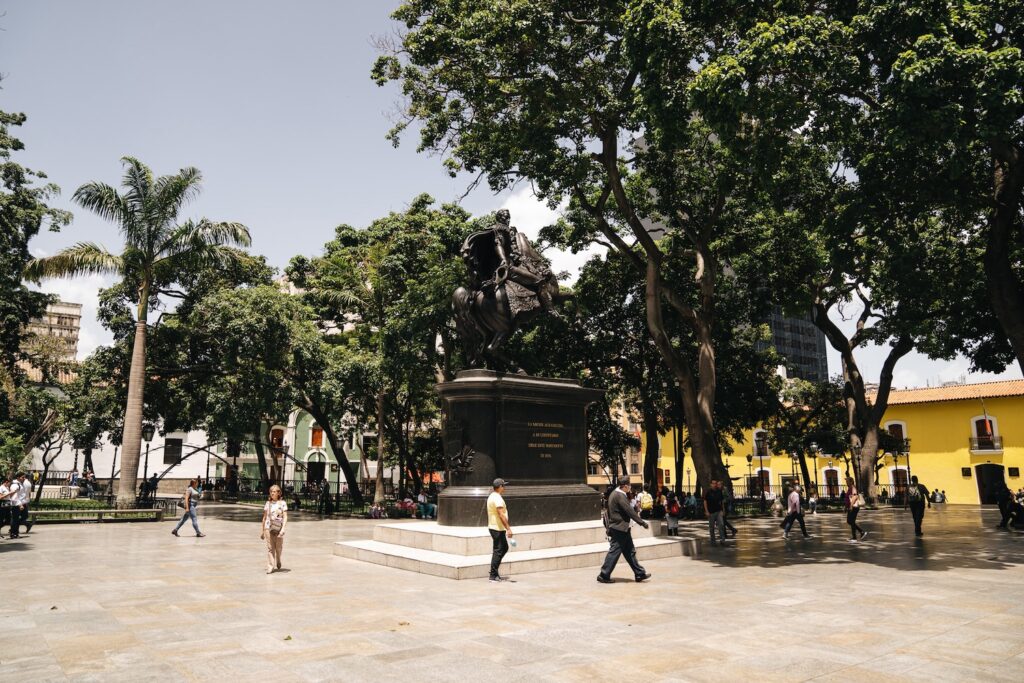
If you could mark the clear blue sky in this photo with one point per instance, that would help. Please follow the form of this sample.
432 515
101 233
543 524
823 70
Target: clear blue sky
271 100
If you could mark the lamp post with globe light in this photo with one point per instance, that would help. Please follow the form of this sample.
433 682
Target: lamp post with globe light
148 430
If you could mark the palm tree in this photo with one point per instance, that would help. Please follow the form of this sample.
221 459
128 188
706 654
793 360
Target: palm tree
157 249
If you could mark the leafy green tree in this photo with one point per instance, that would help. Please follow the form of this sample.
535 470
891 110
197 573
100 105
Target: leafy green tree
12 451
387 292
157 250
808 413
892 241
243 342
24 212
591 103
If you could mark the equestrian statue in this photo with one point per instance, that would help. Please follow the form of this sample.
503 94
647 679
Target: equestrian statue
510 284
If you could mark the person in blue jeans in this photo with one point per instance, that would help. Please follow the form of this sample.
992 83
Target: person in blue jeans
192 494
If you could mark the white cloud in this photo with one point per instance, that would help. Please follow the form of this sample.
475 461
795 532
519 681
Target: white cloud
83 290
530 214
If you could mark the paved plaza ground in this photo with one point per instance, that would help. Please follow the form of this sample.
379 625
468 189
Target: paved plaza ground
129 602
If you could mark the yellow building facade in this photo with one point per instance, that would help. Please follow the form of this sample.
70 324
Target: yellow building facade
966 440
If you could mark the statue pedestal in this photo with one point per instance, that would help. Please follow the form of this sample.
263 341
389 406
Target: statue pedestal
530 431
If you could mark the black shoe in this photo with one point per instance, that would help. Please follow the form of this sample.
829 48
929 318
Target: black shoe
603 579
641 579
174 533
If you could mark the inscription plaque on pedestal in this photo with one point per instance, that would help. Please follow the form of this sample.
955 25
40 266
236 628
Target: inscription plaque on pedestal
530 431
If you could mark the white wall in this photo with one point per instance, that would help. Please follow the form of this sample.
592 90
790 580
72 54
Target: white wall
103 458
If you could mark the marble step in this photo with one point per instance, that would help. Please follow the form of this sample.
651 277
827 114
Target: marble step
477 540
517 561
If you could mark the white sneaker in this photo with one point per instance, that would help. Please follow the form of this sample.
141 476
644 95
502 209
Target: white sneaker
863 535
854 540
785 536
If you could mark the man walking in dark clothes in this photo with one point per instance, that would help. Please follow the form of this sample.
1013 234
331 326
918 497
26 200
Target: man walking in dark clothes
917 496
620 512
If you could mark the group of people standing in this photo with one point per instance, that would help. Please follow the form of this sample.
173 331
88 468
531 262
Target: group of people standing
15 497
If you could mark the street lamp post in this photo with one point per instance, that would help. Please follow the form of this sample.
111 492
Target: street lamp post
814 460
906 452
148 430
761 443
826 479
750 473
688 479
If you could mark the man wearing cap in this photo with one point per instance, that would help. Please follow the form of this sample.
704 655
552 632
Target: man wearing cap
620 512
497 524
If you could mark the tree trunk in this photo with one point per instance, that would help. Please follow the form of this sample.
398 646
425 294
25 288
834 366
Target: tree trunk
1005 290
131 442
697 406
865 468
378 491
336 445
680 457
261 458
805 472
652 447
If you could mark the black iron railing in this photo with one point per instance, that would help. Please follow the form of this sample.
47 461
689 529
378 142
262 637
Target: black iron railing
986 443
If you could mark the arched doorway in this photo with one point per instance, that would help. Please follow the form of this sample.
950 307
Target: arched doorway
316 468
832 483
990 480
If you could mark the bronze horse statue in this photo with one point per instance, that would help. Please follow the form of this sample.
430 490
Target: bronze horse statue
510 285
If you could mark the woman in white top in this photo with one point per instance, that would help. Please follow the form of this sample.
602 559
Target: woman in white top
275 519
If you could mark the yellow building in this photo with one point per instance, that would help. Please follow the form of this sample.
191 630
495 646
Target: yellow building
964 439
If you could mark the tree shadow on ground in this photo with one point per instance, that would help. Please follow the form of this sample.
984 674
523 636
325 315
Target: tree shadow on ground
957 538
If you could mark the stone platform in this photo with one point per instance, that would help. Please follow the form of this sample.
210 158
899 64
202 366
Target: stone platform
465 552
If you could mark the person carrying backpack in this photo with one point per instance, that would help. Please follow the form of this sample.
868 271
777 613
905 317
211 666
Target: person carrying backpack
917 496
646 504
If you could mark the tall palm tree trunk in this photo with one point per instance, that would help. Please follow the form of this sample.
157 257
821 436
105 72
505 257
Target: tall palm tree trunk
132 439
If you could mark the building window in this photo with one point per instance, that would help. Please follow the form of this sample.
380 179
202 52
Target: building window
316 437
985 434
277 440
634 468
172 451
668 477
592 468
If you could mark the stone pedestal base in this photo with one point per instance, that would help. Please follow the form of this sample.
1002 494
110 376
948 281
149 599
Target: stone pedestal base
465 552
527 505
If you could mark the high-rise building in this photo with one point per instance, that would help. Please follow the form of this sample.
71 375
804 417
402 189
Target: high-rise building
61 321
801 344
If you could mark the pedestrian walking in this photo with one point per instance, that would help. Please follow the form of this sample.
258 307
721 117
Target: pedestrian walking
673 511
620 513
190 502
275 519
854 502
713 504
727 505
795 514
6 495
917 496
498 525
21 494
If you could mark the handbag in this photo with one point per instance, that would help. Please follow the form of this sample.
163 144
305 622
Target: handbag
276 525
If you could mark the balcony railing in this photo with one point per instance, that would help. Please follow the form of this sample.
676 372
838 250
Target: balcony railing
986 443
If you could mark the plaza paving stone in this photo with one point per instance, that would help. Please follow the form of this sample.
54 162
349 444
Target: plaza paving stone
130 602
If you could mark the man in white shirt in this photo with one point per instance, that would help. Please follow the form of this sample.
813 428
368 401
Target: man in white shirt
498 525
5 502
22 491
795 513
